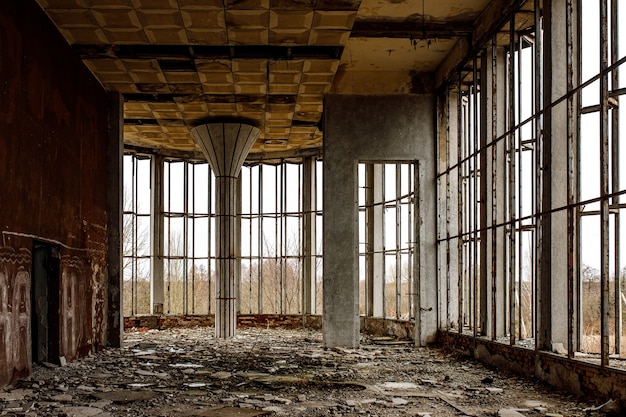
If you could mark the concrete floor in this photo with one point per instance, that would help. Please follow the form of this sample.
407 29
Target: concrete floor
187 372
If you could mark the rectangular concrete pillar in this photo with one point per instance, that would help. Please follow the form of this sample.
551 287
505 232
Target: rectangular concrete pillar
447 211
374 128
553 285
157 286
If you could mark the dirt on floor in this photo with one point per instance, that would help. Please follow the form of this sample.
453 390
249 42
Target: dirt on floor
187 372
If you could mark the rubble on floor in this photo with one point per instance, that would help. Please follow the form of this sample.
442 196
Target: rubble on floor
187 372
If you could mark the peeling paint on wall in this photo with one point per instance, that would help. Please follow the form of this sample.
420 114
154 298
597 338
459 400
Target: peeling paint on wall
75 308
15 310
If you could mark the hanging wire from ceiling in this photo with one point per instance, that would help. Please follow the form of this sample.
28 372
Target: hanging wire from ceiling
415 41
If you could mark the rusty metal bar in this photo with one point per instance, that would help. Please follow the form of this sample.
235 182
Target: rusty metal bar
538 178
473 146
169 234
250 295
512 172
448 199
615 176
185 235
260 244
133 282
383 237
411 246
518 155
604 186
571 145
301 308
398 276
209 194
417 230
193 240
494 188
460 202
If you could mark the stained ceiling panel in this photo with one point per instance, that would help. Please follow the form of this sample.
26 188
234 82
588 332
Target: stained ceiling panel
180 62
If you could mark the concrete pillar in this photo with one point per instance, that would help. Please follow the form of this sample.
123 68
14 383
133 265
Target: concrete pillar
552 285
375 258
448 213
308 236
115 164
226 146
157 286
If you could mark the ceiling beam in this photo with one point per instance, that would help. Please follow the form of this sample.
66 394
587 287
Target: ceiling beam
493 17
191 52
410 29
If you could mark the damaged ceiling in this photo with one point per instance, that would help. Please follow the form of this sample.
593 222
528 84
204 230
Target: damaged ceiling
180 62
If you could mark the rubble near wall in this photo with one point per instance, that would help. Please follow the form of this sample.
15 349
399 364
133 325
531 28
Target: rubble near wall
576 376
281 372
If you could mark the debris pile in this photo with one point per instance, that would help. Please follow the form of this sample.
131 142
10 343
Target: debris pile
187 372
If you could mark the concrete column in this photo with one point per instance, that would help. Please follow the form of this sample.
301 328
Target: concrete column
448 213
226 146
375 278
552 285
308 236
157 286
115 164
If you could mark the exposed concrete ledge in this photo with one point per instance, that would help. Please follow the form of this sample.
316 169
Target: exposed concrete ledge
574 376
244 320
400 329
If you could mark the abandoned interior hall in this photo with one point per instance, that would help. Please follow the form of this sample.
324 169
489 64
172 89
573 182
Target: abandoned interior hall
434 174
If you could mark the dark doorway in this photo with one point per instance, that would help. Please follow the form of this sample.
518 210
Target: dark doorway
45 307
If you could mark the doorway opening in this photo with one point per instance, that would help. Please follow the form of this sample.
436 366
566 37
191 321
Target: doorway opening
45 301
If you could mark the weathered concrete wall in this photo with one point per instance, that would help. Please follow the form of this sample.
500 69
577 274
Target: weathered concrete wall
575 376
374 128
53 127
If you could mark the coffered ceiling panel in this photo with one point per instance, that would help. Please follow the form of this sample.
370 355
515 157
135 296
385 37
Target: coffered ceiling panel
179 63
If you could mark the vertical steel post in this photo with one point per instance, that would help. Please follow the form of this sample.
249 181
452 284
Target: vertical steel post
494 188
460 202
512 172
570 181
448 199
398 244
411 243
193 240
615 175
473 145
519 157
260 237
210 215
417 227
538 111
250 241
604 185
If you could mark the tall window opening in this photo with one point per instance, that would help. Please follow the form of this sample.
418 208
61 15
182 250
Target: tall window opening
189 241
136 234
387 239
